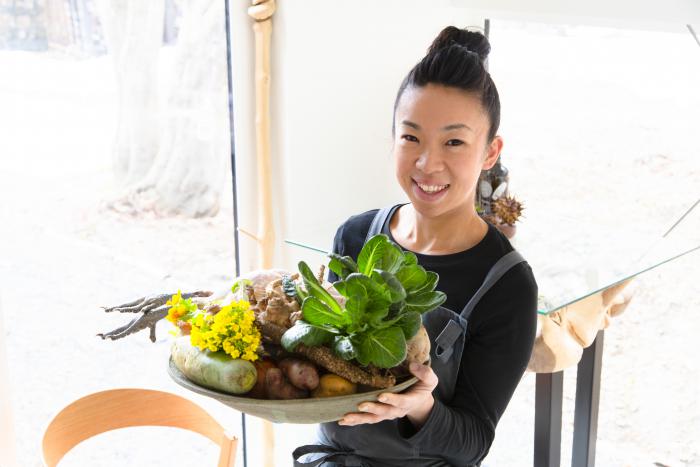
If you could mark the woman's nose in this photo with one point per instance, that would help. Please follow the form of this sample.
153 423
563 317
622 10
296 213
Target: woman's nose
429 162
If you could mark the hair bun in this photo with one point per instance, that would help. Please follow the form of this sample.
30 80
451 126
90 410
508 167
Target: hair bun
472 40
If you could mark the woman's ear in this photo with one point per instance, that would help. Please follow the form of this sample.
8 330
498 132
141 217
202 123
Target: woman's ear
492 152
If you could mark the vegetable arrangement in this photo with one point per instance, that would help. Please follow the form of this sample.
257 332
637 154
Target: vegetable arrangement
290 336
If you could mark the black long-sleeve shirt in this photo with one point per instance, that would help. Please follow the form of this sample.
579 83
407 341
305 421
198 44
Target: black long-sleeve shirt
500 337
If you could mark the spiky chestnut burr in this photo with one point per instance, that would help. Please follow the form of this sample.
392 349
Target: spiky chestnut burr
508 209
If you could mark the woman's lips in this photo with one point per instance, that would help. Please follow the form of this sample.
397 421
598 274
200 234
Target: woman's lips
426 196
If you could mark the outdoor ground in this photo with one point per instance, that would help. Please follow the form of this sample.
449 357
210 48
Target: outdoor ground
601 131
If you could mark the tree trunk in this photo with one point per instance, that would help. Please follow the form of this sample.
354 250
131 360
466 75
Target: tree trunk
176 164
133 32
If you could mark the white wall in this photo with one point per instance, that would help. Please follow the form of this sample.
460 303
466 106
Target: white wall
336 67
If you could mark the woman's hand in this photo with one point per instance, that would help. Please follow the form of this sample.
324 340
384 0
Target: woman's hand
416 403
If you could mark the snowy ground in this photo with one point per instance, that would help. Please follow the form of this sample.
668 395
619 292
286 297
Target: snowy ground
600 127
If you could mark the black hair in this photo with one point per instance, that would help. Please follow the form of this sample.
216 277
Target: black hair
456 58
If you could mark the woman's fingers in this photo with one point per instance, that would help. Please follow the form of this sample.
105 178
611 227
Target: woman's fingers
424 373
352 419
383 410
372 412
397 400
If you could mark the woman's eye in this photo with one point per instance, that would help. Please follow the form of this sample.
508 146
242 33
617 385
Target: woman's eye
410 138
455 142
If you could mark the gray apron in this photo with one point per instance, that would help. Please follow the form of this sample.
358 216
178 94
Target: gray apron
380 444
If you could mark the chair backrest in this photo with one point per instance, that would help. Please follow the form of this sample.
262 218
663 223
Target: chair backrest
120 408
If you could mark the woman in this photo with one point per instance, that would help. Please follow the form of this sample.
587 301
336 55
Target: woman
446 116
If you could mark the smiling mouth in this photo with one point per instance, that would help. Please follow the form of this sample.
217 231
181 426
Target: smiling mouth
431 189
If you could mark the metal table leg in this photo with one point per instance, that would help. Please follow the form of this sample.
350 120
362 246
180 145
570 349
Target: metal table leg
549 394
587 403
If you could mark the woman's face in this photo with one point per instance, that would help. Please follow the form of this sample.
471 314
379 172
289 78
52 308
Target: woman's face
441 147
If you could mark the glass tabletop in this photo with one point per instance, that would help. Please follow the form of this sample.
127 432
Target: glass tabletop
573 259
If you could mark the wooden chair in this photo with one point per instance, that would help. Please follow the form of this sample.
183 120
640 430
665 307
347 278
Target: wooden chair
120 408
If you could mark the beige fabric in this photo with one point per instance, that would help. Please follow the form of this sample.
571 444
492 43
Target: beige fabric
562 335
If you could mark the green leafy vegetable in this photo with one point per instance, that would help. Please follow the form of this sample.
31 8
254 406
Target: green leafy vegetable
305 333
409 323
391 283
365 285
429 285
342 265
315 289
344 348
316 312
409 258
240 283
411 276
300 294
356 311
384 348
371 254
385 293
425 302
340 287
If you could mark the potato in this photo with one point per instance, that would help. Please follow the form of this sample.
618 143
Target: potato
333 385
214 370
279 388
301 373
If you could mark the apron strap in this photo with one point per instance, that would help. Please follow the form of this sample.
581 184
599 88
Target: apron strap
444 343
379 220
497 271
346 458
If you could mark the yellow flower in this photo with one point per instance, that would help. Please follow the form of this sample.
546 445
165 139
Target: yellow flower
175 299
231 330
180 309
175 313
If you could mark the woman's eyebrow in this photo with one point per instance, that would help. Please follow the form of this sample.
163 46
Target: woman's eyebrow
453 126
456 126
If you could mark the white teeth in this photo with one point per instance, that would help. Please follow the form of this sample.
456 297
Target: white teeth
432 188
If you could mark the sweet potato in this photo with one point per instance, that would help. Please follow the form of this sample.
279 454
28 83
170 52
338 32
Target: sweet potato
279 388
300 373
